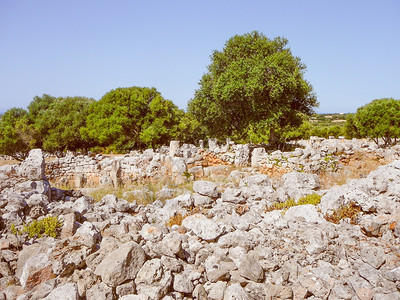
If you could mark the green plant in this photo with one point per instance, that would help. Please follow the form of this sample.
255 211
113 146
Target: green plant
253 80
331 162
48 226
175 220
187 175
14 230
379 120
282 205
313 199
349 211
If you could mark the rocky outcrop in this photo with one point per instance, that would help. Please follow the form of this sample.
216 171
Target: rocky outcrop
225 246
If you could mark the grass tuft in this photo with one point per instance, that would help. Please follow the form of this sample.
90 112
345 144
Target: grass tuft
313 199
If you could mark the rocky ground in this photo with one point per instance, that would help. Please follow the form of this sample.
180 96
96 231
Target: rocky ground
218 241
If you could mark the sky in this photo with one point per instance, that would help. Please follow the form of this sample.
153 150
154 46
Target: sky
89 47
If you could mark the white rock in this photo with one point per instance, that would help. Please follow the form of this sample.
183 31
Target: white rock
205 188
235 292
308 212
32 167
121 264
202 227
68 291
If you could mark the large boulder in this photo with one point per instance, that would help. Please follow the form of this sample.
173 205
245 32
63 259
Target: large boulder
68 291
308 213
152 280
121 264
259 180
242 155
32 168
205 188
202 227
296 185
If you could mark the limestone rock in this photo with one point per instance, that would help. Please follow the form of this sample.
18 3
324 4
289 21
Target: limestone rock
88 235
152 280
259 180
32 168
308 213
121 264
233 195
202 227
183 284
235 291
250 268
100 291
205 188
68 291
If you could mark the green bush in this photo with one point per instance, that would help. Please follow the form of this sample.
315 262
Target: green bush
48 226
313 199
380 120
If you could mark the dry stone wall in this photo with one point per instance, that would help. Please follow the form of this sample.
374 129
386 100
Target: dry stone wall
178 162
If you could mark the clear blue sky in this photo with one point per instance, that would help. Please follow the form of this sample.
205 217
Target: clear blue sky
88 47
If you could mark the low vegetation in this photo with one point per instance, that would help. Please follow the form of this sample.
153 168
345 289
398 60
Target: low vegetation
313 199
47 226
349 211
143 193
178 217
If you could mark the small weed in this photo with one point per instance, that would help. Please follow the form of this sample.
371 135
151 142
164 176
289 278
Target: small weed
187 175
313 199
15 230
178 218
241 209
349 211
282 205
175 220
48 226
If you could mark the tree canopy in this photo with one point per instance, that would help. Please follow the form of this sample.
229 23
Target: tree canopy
379 119
58 120
129 118
17 134
253 83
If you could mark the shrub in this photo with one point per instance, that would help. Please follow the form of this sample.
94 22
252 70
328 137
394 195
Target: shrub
349 211
178 218
175 220
48 226
313 199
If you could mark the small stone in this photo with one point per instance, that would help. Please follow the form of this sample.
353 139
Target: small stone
205 188
202 227
183 284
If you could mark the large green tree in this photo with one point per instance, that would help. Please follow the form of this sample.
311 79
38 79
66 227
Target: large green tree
254 82
58 120
132 118
17 134
380 120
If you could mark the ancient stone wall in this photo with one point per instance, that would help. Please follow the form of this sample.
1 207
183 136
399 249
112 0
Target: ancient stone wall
177 162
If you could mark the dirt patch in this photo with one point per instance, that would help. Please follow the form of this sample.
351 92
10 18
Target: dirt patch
355 166
9 162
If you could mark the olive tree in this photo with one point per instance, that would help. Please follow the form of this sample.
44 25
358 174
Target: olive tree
131 118
253 83
17 134
380 120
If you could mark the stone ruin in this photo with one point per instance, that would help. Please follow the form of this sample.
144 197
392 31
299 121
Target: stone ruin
176 162
226 244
